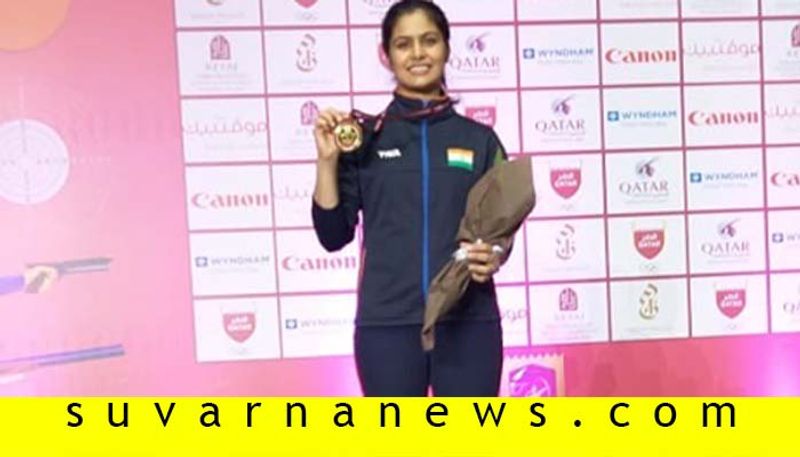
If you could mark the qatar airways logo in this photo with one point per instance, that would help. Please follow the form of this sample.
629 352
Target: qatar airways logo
646 185
796 36
783 179
792 307
297 263
563 124
729 245
477 59
701 118
627 56
209 200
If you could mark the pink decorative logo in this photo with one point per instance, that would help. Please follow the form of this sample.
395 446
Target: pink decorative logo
220 48
308 113
568 300
486 115
565 242
731 302
306 3
239 326
565 181
649 243
532 381
307 54
796 36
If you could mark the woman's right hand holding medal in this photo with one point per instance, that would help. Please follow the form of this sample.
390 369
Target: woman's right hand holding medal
328 149
326 190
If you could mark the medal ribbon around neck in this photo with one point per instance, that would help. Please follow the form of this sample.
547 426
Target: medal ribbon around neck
349 133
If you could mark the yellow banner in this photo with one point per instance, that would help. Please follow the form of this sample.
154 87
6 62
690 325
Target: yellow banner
464 427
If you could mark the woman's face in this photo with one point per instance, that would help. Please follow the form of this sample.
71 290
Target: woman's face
417 53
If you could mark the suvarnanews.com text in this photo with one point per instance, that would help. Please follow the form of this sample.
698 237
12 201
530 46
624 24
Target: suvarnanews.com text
386 414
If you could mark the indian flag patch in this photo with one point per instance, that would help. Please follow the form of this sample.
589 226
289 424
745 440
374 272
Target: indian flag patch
461 158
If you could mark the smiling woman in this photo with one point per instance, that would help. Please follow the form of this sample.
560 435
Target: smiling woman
25 25
410 178
418 46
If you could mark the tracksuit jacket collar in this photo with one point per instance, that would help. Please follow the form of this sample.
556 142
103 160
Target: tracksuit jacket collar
402 105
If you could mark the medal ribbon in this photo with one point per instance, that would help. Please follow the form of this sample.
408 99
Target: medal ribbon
438 107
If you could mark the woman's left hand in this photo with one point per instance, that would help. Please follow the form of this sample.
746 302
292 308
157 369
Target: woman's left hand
483 261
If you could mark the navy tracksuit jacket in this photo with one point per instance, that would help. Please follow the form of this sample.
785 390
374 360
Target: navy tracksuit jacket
411 181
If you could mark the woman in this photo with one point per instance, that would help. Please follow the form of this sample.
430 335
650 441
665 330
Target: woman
411 179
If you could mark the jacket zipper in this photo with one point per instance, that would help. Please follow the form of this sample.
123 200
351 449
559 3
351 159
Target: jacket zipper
425 209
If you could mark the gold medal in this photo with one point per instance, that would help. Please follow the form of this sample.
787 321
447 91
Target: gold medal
348 135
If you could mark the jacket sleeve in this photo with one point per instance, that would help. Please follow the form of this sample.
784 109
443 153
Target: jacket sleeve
495 151
335 227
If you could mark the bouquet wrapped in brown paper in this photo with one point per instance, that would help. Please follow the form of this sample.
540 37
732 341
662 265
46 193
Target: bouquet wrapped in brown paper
497 205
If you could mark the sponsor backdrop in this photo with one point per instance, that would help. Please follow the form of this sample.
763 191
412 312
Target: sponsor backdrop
157 165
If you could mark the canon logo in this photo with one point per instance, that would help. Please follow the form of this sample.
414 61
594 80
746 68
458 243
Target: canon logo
784 179
702 118
627 56
295 263
205 200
